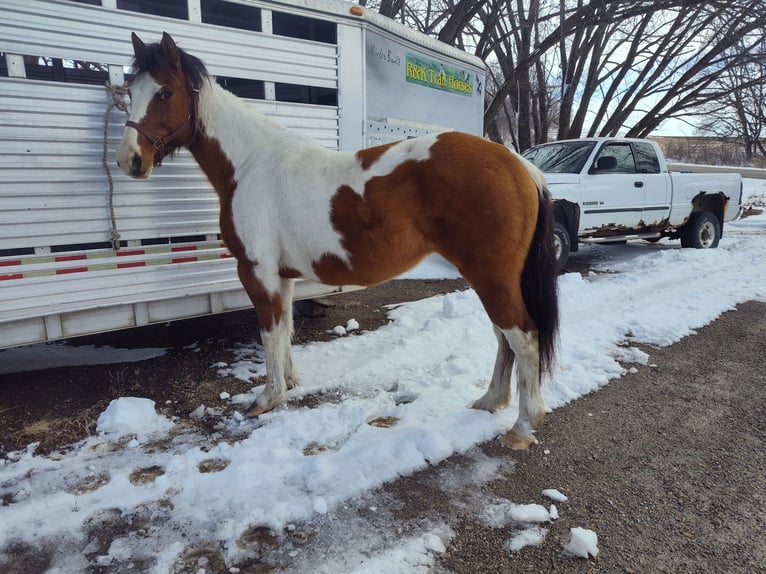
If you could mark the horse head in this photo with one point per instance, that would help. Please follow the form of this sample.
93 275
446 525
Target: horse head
164 96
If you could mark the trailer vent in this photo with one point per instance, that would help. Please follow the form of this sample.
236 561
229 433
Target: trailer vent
178 9
231 15
305 28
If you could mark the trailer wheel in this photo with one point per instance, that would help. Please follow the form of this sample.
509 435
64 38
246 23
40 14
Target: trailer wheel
561 246
702 231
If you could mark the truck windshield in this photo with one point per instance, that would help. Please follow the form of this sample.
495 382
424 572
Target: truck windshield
562 157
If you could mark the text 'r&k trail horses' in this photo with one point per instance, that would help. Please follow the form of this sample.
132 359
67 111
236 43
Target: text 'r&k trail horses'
292 208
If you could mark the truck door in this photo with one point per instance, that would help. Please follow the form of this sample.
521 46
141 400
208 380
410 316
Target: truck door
620 181
656 185
613 198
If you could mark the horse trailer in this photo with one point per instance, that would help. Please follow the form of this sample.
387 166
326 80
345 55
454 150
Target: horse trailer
83 248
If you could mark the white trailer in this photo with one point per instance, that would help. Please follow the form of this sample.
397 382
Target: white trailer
82 251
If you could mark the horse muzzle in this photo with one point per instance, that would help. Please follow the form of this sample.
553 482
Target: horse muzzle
130 160
133 166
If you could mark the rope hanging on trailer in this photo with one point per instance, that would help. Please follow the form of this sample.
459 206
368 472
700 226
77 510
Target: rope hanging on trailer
118 101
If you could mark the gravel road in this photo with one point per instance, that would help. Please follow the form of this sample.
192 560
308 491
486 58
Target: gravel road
667 465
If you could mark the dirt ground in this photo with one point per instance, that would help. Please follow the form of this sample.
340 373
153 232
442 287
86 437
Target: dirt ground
667 465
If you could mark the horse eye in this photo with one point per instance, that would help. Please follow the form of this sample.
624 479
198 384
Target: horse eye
164 95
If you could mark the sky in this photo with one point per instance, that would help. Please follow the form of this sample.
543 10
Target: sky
414 379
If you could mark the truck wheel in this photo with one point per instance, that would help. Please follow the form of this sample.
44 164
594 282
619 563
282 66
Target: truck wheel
561 246
702 231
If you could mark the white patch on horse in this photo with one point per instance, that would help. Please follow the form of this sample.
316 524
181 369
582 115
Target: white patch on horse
285 185
142 91
418 149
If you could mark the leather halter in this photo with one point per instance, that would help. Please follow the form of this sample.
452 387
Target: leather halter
160 142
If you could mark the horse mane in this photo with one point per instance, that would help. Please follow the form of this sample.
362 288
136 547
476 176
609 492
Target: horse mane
153 57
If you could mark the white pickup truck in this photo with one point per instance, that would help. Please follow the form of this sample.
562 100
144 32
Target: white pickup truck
611 190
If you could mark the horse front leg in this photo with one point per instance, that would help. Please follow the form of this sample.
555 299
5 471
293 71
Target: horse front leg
276 344
275 330
286 292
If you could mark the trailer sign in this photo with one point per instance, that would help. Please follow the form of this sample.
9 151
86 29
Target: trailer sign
412 89
434 74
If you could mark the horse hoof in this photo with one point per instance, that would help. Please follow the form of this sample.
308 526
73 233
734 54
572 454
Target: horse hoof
256 410
514 441
293 382
484 404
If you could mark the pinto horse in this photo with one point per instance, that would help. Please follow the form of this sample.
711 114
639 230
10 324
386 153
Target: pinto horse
290 208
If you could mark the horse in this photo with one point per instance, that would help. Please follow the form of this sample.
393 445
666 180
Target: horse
292 208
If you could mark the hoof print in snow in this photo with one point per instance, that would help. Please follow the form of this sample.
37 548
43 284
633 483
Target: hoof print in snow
213 465
202 558
90 483
300 535
259 538
383 422
405 399
315 448
145 475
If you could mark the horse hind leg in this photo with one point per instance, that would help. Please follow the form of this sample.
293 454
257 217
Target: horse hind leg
531 407
498 394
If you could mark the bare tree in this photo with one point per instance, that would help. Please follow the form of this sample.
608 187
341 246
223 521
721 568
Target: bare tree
596 67
741 112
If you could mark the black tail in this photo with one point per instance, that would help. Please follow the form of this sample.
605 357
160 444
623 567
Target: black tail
539 282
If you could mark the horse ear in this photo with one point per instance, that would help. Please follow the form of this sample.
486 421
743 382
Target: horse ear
169 48
138 45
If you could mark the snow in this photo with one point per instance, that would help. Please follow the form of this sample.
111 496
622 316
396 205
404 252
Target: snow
418 375
555 495
528 537
529 513
131 416
583 543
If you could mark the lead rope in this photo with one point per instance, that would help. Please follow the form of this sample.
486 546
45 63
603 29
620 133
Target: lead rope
118 101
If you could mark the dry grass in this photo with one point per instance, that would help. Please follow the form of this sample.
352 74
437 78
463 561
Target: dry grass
708 151
53 432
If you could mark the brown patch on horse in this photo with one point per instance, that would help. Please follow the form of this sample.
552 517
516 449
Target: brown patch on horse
472 202
220 171
369 156
268 306
289 273
379 232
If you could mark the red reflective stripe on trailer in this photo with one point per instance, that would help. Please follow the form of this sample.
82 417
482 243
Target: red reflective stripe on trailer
62 258
184 248
71 270
128 253
131 264
13 276
183 259
9 263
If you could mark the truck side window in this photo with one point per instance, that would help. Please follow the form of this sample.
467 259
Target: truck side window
623 161
646 158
